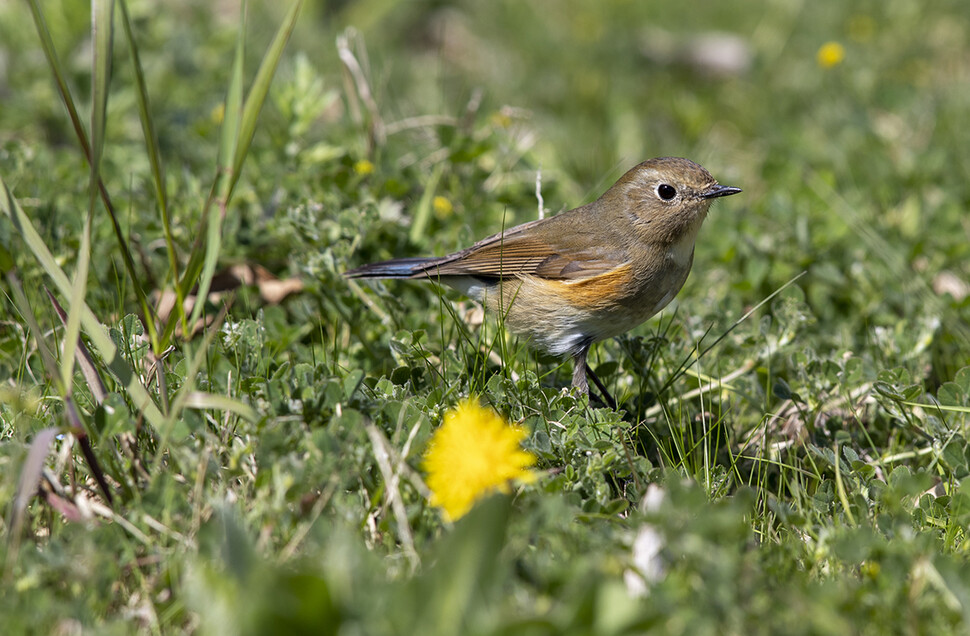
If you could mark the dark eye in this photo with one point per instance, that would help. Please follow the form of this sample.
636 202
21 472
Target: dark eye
666 192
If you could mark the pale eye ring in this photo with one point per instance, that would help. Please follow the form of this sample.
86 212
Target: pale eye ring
666 191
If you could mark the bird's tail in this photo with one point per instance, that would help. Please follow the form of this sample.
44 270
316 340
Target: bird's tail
396 268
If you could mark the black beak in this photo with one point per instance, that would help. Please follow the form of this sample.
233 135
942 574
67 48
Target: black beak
720 191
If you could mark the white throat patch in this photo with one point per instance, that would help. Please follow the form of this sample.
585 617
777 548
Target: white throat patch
682 251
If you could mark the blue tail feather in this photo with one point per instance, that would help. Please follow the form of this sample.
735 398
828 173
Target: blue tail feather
396 268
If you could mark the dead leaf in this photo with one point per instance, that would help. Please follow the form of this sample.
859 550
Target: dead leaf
946 282
272 291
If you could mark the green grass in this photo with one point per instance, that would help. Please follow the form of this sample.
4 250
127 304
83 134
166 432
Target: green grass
802 406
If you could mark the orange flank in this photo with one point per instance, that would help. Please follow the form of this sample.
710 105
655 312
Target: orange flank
596 292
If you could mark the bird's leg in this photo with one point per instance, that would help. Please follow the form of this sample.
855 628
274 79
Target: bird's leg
610 402
581 370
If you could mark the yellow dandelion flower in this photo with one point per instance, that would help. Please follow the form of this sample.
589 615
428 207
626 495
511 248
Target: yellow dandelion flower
474 453
363 167
830 54
442 206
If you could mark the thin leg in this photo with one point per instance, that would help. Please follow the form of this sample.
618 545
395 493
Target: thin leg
579 371
610 402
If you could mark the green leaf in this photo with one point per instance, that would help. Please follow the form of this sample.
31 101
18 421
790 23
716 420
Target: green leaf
962 379
111 417
954 456
900 477
781 390
201 400
464 573
950 394
850 454
888 390
912 392
352 382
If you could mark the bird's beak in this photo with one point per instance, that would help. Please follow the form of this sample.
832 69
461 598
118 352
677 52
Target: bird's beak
720 191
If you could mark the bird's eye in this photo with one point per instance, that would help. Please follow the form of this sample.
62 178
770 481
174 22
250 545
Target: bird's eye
666 192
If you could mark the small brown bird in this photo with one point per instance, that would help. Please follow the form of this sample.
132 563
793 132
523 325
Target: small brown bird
587 274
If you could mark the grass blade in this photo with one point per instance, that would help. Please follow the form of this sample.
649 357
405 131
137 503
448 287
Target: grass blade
239 145
259 91
205 251
944 408
102 35
84 360
151 146
238 128
89 322
57 69
229 135
46 351
422 213
30 476
71 414
47 43
80 432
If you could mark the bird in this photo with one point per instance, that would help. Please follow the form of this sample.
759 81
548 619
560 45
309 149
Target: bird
584 275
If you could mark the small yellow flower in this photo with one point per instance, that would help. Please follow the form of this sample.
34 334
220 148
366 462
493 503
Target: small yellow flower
501 118
474 453
862 28
363 167
442 206
218 113
830 54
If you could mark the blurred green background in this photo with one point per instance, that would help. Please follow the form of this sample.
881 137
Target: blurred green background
821 489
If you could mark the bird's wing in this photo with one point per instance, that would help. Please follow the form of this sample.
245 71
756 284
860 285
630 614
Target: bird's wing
527 250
